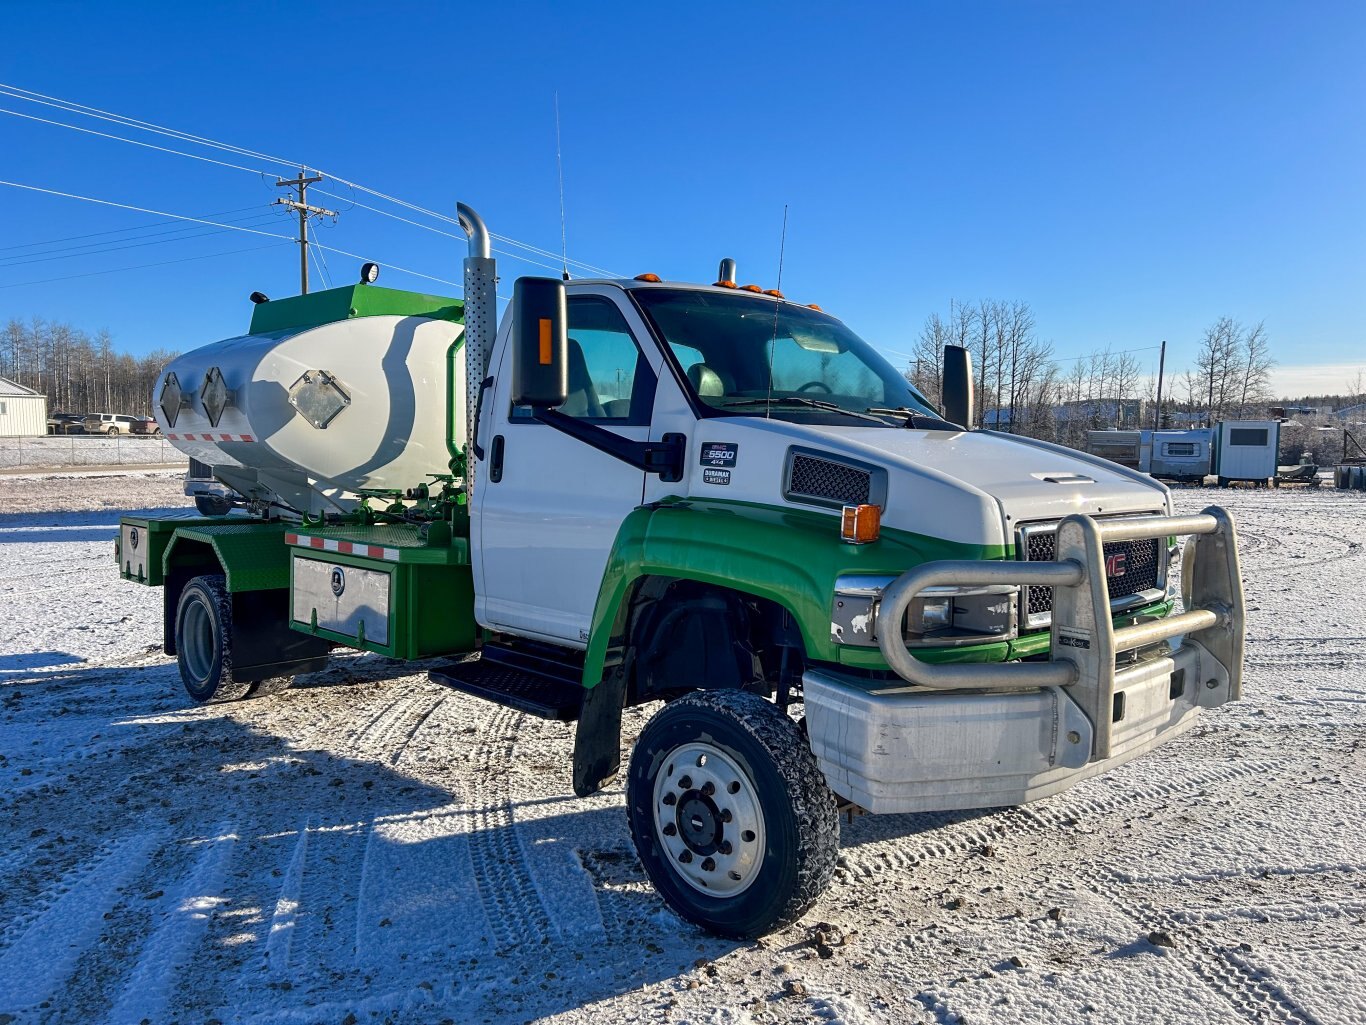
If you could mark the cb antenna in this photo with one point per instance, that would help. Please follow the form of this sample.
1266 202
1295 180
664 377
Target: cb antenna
559 167
777 300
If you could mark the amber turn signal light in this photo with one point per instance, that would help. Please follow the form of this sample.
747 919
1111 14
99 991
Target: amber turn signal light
861 524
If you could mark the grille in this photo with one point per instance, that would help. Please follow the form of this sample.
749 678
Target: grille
1140 569
200 471
828 481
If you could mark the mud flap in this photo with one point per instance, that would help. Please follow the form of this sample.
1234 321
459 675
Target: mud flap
597 741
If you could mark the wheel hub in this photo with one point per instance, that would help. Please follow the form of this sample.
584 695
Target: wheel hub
708 820
699 823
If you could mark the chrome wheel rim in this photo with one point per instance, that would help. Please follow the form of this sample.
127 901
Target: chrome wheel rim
708 820
197 641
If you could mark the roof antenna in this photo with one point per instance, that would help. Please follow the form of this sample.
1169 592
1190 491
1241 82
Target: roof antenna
559 167
777 300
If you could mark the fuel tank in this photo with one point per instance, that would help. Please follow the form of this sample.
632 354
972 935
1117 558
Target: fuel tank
330 393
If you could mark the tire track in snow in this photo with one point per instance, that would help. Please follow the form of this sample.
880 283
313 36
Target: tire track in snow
280 931
1249 990
157 975
42 948
510 897
1061 811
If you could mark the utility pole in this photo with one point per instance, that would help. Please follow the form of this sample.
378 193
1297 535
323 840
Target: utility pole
301 206
1161 365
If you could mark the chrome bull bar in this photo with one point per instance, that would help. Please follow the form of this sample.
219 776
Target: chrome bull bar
1085 641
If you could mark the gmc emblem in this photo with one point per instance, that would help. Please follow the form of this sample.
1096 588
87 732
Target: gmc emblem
1116 565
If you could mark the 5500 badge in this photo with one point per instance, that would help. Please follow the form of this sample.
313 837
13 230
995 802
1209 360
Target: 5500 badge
719 453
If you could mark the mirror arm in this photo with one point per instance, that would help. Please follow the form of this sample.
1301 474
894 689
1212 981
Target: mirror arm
664 457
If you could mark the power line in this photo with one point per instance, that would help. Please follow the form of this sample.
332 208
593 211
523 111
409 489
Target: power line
118 231
70 106
96 249
143 266
218 224
144 210
131 142
461 238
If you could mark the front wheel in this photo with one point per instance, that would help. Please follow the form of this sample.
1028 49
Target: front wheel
730 814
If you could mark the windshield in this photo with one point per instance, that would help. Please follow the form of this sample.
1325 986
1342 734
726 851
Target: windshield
753 356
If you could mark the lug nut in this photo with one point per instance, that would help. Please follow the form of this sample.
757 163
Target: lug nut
685 857
670 829
725 814
708 788
685 782
670 799
708 865
725 847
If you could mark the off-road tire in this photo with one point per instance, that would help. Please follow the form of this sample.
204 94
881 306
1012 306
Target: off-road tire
212 505
784 785
203 640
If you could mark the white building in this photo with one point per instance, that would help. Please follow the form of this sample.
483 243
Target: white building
23 411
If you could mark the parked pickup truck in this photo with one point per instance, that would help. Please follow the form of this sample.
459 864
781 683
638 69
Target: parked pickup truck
702 496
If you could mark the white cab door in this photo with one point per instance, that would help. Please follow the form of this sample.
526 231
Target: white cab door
547 507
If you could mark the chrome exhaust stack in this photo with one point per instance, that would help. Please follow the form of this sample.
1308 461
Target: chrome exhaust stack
481 321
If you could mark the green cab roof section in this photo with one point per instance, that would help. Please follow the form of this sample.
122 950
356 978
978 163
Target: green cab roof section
349 302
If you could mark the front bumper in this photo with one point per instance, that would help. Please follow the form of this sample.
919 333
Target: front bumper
972 736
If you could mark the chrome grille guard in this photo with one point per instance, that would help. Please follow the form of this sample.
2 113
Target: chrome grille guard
1084 638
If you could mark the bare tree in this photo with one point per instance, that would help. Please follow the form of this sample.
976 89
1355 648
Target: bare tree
1257 363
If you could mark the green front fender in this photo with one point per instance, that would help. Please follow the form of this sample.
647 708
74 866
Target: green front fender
788 556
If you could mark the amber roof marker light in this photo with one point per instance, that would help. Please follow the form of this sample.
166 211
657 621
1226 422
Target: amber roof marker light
652 278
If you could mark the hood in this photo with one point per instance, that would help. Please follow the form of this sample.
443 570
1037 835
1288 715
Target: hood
1030 480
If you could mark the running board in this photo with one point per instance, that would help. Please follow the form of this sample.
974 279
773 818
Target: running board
530 681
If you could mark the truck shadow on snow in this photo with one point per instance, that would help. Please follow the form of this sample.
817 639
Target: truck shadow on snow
343 869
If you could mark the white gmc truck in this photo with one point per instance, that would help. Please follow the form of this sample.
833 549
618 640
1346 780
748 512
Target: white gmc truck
703 496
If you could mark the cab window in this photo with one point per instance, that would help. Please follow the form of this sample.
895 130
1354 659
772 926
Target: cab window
609 380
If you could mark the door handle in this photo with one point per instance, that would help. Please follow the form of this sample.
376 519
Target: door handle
484 386
496 460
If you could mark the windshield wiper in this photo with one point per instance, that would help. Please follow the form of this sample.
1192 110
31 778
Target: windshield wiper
933 423
800 400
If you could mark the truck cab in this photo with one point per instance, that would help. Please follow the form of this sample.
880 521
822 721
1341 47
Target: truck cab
707 496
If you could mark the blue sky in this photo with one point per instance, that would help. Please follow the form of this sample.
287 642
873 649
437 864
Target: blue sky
1134 171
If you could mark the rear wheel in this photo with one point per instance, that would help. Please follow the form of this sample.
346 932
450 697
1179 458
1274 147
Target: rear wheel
730 814
203 640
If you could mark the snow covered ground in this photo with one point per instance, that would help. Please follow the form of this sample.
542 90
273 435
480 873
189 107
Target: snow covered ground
370 847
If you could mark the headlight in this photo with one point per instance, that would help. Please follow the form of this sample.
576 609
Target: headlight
939 617
926 615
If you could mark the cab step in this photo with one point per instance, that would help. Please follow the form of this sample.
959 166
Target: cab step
533 680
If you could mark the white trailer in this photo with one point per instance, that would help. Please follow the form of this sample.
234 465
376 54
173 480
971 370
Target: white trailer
1246 450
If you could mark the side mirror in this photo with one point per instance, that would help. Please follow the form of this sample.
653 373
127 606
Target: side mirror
540 344
957 386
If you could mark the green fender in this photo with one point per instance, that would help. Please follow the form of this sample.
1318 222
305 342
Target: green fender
253 555
788 556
